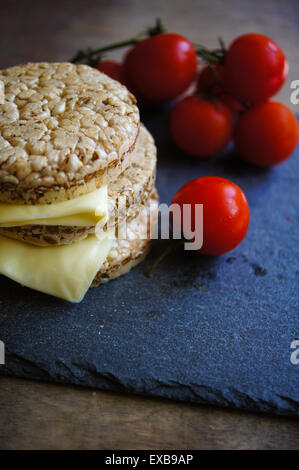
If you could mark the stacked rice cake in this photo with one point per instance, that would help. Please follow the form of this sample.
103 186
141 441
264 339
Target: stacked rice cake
77 179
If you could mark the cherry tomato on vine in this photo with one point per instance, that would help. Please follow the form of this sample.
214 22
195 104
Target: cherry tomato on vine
210 82
200 127
225 212
161 67
255 68
113 69
267 134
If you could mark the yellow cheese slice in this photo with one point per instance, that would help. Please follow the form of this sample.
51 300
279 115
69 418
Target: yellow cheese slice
84 211
63 271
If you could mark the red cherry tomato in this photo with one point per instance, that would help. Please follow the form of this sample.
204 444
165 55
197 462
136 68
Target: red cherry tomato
210 81
113 69
225 212
200 127
161 67
267 134
255 68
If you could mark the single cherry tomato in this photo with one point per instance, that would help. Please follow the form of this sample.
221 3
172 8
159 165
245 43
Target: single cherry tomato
209 79
200 127
255 68
267 134
225 212
210 83
113 69
161 67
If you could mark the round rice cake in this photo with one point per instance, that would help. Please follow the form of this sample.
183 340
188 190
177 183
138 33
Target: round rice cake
65 130
126 196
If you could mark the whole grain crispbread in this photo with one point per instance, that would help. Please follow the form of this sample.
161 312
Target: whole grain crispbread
64 130
127 195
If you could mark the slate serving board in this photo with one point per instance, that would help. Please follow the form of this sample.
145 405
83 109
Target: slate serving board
206 330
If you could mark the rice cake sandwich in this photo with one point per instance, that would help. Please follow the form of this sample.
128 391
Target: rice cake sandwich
70 149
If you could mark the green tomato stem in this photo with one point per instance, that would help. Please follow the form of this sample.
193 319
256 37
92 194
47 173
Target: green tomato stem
93 56
170 249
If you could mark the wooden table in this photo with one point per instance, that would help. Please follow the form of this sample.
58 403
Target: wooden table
44 416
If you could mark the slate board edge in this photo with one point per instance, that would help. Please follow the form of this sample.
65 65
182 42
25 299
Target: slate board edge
192 393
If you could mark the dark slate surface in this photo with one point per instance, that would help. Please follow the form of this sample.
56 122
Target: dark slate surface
208 330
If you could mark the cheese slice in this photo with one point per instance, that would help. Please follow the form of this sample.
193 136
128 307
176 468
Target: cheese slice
83 211
63 271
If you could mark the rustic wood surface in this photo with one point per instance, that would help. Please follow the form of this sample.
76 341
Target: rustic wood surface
46 416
